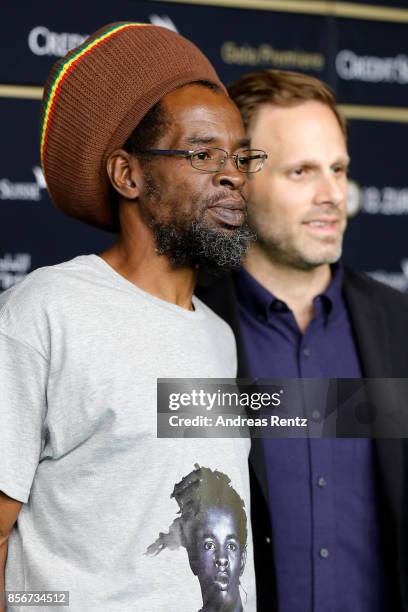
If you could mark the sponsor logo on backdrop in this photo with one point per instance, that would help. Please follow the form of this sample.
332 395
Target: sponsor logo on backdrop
380 200
13 267
398 280
372 69
164 21
266 55
42 41
24 191
353 199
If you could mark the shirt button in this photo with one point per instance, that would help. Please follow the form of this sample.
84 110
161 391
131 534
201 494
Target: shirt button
261 318
306 352
324 553
315 415
268 540
322 482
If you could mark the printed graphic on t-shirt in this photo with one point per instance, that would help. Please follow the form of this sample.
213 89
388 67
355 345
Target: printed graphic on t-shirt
212 527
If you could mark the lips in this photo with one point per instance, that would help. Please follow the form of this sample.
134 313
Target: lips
229 212
323 224
222 581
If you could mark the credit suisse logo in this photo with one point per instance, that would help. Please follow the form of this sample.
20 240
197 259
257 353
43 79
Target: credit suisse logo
43 41
372 69
372 200
26 191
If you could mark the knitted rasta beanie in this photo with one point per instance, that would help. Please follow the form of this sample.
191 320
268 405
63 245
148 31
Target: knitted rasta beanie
94 98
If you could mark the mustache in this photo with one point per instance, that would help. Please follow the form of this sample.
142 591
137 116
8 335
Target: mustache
224 195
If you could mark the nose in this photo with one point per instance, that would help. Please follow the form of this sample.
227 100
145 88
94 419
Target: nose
229 176
331 190
222 563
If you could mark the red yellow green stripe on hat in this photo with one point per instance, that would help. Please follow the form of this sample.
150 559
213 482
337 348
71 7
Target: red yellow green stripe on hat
64 71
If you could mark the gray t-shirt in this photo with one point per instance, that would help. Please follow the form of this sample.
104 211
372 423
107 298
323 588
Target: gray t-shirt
80 351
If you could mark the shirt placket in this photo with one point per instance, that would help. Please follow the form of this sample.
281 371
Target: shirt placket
321 493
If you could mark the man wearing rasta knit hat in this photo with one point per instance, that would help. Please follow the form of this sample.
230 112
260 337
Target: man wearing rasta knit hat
139 137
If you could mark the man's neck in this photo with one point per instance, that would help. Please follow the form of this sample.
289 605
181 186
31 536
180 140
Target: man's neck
294 286
155 276
141 265
227 607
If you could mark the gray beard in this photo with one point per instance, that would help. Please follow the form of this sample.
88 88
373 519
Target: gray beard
213 250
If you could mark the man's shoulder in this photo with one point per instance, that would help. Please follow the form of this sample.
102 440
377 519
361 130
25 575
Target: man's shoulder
45 282
383 294
45 292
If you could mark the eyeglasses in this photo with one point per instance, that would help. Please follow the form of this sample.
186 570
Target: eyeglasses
214 159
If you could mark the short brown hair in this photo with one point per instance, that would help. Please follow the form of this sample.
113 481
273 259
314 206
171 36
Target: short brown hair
283 88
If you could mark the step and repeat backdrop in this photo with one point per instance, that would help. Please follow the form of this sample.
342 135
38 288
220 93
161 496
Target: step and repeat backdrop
359 49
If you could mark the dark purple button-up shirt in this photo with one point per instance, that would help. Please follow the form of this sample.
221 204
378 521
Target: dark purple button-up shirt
322 494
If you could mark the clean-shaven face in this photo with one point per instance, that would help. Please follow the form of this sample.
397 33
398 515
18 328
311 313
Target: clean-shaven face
218 559
298 202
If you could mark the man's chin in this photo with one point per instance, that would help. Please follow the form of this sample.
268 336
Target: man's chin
309 255
216 249
312 261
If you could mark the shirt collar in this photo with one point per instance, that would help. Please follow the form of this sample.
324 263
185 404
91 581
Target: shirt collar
332 298
253 296
257 299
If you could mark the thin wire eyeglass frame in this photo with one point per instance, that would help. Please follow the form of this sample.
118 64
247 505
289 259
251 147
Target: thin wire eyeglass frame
248 154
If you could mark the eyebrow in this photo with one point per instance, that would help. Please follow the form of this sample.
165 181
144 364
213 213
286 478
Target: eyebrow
312 162
244 142
343 160
211 140
194 140
231 536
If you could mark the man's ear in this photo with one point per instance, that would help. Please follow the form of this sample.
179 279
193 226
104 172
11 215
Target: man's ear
125 174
